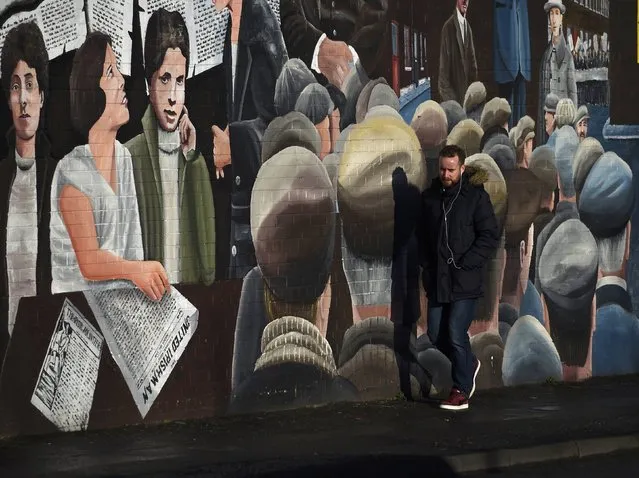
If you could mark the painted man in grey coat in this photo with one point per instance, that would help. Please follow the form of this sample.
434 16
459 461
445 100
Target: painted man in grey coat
557 71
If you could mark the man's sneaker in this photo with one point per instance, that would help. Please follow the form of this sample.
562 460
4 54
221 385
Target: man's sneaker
477 366
455 401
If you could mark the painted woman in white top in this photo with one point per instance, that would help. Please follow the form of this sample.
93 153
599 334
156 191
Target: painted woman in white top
96 239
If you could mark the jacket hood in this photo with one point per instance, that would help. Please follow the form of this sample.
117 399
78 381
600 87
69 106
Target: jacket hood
476 175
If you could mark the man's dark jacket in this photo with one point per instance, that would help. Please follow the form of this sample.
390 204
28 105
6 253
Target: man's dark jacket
473 235
361 24
45 167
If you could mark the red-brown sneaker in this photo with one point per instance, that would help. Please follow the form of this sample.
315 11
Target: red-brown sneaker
455 401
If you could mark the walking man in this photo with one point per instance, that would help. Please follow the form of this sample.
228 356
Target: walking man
458 233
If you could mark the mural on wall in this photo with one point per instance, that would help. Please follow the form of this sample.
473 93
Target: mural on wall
229 201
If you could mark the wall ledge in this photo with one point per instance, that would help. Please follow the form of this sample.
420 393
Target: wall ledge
620 132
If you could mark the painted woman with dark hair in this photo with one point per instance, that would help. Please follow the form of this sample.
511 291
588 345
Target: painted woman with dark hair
25 176
96 239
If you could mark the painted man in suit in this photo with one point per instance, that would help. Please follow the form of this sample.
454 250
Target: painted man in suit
557 72
512 53
457 62
331 35
254 54
25 177
171 178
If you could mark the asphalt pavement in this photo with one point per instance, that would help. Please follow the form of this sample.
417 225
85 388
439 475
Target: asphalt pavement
504 427
624 464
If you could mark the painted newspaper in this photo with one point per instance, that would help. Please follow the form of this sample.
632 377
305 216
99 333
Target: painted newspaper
66 383
146 338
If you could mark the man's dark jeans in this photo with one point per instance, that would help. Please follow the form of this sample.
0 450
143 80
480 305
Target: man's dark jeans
448 331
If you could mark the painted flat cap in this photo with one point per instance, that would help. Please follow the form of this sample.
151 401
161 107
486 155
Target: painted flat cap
588 152
565 113
555 4
568 265
294 77
375 148
550 103
467 135
542 164
293 224
504 157
382 111
607 199
496 139
315 103
530 356
293 129
525 130
454 113
475 96
582 113
375 93
431 125
496 113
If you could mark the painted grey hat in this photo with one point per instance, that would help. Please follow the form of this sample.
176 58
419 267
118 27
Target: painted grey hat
315 103
555 4
293 129
568 265
294 77
504 157
454 113
542 164
430 125
475 96
582 113
607 199
375 93
588 152
293 224
382 110
467 135
496 112
525 131
530 356
550 103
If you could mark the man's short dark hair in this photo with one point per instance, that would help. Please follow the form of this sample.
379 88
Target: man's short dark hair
87 100
24 42
452 150
165 30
